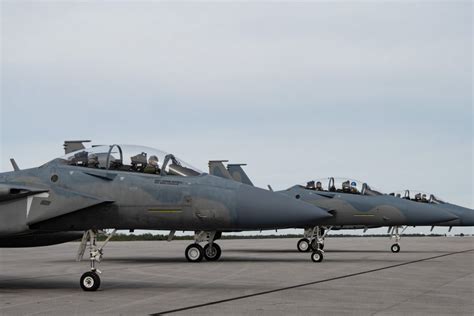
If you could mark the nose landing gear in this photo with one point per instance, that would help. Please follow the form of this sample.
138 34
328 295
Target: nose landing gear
90 280
394 233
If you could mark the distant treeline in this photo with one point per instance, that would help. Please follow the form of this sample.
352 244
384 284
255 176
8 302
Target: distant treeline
148 236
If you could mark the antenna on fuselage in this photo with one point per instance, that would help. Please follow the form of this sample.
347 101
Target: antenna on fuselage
14 165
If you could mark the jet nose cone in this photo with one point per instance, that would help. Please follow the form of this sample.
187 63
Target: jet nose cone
446 216
465 216
259 209
426 214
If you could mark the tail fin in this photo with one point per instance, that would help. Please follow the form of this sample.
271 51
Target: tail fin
238 174
217 168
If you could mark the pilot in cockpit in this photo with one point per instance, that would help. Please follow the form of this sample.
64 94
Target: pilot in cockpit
424 199
152 167
346 187
319 186
418 197
93 161
354 188
310 186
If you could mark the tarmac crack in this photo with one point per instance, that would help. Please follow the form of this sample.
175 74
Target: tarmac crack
305 284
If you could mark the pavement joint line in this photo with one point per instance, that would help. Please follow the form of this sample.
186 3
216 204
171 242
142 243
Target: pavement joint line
306 284
419 295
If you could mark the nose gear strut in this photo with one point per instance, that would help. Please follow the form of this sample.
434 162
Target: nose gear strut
90 280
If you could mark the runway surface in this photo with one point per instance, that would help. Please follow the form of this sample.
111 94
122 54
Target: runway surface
430 275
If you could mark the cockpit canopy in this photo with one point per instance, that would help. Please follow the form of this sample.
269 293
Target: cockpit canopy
343 185
130 158
418 196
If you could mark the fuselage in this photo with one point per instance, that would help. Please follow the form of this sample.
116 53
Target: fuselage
80 198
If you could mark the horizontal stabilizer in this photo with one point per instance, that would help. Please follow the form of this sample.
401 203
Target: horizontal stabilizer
238 174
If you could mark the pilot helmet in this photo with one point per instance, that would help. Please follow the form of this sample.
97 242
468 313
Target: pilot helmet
310 184
153 160
93 158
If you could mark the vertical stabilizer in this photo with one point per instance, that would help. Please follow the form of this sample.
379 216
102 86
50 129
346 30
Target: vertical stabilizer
217 168
238 174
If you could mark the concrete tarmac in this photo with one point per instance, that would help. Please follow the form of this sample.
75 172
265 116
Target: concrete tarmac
359 276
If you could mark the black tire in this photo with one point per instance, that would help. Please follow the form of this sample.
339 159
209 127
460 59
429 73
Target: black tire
395 248
90 281
194 253
314 245
212 253
317 256
303 245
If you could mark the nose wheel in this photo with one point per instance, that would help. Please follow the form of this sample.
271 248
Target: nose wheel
90 281
395 248
317 256
395 234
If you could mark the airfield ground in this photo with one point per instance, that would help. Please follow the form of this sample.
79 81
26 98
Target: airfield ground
431 275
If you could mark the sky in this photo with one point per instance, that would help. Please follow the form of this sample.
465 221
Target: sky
376 91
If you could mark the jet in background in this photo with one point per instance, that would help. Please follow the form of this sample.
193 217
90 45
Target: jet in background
133 187
353 204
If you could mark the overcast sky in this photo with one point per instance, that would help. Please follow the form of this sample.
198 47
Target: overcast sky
380 92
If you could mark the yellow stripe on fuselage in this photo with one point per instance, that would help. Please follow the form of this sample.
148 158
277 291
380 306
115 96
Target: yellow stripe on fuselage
159 210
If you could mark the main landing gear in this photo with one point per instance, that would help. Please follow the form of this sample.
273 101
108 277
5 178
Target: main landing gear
90 281
313 240
394 233
211 251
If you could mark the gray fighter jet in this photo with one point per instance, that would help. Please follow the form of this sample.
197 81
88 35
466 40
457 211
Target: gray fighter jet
353 204
131 187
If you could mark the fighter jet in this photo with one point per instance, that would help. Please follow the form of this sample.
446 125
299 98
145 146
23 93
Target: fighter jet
353 204
465 215
132 187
